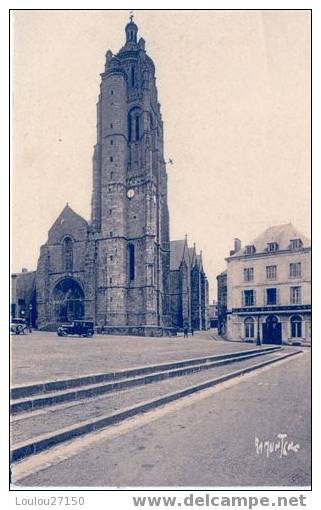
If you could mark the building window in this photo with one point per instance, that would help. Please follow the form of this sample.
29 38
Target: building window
296 326
273 247
111 234
67 254
271 296
111 92
137 127
111 142
111 175
111 257
131 261
110 212
110 280
295 270
250 249
21 302
134 125
133 76
295 244
271 272
249 327
248 273
111 159
248 298
295 295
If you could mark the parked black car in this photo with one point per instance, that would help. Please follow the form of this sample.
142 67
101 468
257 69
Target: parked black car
82 328
18 326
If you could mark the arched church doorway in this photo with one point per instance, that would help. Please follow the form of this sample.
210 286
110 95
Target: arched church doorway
272 330
68 301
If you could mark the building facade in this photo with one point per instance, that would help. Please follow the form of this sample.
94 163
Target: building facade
221 303
23 296
269 288
188 287
115 269
213 314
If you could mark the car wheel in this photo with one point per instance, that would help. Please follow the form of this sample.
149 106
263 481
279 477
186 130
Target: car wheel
90 333
19 329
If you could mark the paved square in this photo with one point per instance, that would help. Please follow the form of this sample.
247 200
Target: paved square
42 356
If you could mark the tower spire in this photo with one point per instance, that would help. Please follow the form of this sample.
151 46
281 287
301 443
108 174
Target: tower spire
131 30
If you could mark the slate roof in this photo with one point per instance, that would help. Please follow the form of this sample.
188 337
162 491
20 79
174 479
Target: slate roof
280 234
177 252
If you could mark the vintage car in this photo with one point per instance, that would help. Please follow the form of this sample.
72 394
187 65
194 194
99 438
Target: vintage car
82 328
18 326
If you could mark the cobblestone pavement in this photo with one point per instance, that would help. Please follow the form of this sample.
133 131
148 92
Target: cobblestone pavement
210 442
43 356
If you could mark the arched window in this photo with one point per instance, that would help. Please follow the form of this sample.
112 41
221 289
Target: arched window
134 124
137 127
296 326
131 261
133 76
249 327
67 254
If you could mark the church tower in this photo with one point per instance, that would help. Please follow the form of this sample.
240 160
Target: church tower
130 220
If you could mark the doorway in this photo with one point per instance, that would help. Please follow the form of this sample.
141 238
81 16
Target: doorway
272 330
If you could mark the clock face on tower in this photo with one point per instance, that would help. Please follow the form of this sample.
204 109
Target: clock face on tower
130 193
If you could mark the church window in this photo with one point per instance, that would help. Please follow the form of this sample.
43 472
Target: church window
111 234
137 127
131 260
111 92
111 175
111 126
134 127
111 159
67 254
111 142
111 257
133 76
110 212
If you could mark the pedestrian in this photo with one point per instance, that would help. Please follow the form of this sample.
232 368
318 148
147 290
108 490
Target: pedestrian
185 332
30 327
192 331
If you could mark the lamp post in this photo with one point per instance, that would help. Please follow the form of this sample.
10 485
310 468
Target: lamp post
30 310
258 338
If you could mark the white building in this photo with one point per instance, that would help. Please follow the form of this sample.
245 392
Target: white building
269 288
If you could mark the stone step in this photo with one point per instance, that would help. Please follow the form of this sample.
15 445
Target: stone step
32 434
122 380
22 391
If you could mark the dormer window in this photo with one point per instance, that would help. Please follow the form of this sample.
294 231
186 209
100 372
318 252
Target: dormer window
272 247
295 244
250 249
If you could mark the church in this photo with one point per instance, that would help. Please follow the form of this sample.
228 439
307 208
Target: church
119 269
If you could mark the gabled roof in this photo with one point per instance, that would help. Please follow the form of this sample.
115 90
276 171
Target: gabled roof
68 222
177 249
280 234
192 255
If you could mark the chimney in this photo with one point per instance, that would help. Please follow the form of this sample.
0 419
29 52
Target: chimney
237 245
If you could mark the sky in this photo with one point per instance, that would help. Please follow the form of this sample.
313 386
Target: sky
234 88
